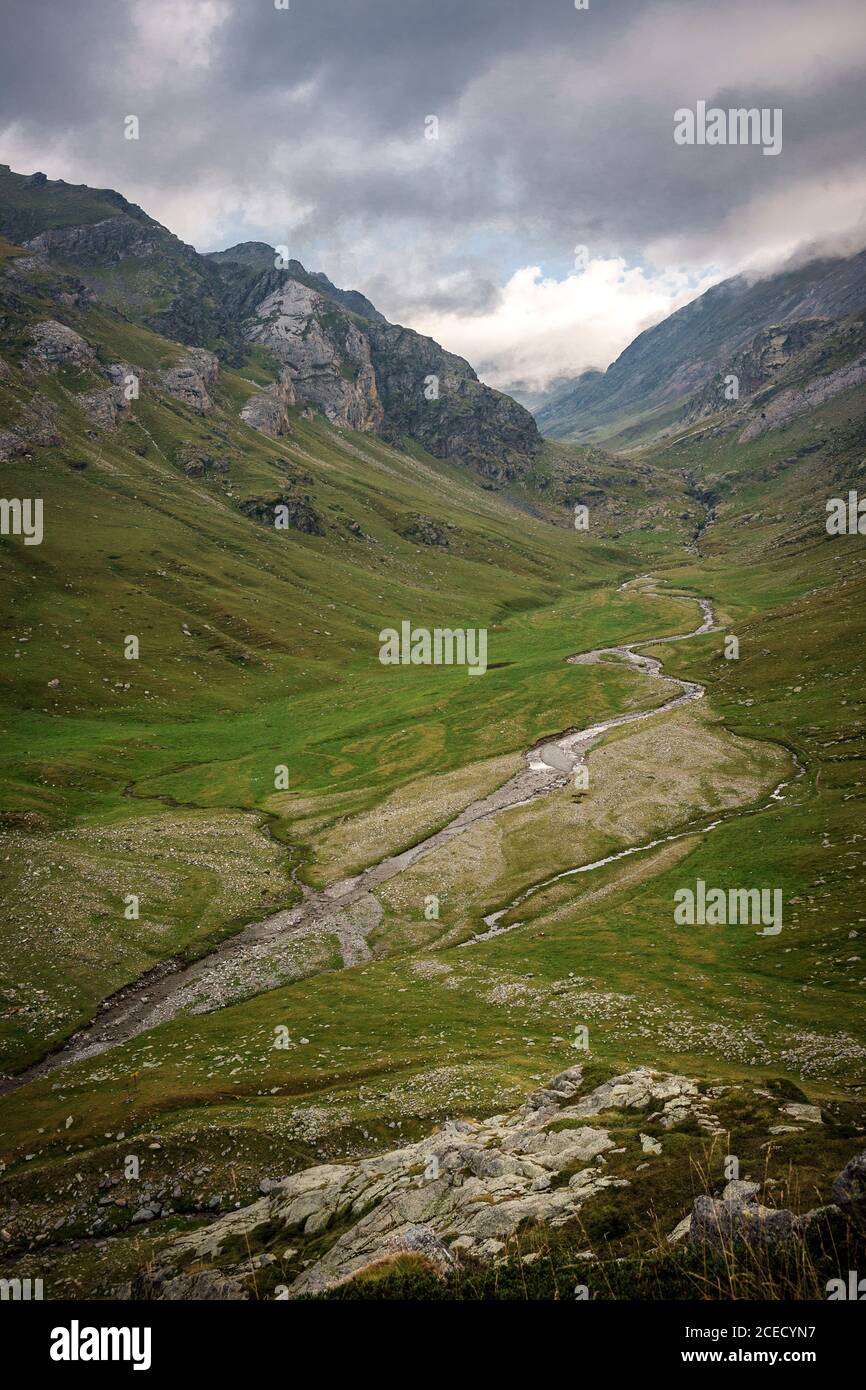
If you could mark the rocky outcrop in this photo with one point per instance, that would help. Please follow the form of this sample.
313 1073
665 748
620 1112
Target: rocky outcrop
463 1191
797 400
103 407
756 366
197 462
325 354
364 373
268 411
849 1189
36 429
55 345
110 240
424 531
189 380
285 512
739 1216
434 397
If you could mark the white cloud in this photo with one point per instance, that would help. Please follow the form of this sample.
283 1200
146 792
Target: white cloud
542 328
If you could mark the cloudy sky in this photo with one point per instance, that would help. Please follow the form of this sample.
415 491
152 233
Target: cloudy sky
552 219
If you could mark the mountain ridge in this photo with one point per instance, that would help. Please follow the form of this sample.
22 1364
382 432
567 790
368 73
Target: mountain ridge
644 388
328 348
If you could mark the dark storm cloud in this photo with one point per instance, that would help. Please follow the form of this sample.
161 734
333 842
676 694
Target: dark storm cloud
306 125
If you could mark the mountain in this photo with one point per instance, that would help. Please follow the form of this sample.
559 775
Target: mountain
285 924
644 390
318 346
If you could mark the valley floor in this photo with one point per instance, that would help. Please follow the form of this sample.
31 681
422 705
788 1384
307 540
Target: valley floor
437 915
360 1014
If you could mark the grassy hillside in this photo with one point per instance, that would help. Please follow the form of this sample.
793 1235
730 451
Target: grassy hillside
645 389
259 648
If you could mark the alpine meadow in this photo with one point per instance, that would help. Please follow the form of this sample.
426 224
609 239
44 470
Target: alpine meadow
432 777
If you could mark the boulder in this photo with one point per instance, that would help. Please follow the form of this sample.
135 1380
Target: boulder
741 1219
849 1189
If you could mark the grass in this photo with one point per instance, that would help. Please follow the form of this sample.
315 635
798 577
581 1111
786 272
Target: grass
258 649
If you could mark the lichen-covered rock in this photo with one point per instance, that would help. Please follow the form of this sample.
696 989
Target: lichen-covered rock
55 345
810 1114
464 1190
103 407
741 1219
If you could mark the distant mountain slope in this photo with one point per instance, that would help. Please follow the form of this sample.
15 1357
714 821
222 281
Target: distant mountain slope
643 390
318 346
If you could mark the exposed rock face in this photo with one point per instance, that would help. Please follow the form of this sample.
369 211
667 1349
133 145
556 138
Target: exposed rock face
55 345
189 381
103 407
787 404
757 365
113 239
463 1190
435 397
365 373
268 411
326 355
205 363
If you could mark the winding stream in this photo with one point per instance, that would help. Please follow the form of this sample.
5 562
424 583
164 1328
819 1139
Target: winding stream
254 959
